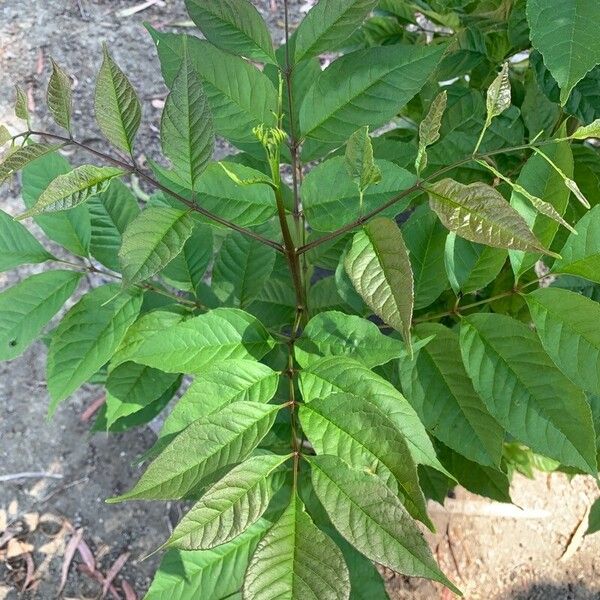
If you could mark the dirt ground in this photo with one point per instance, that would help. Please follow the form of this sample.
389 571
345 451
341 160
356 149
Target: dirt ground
491 551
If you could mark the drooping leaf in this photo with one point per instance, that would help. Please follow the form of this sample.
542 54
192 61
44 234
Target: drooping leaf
379 267
234 26
498 94
328 24
583 132
154 238
479 213
425 239
372 519
567 324
131 387
565 34
330 199
73 188
581 253
525 392
230 506
212 574
59 96
206 446
341 374
111 212
436 384
28 306
188 346
187 269
471 266
359 160
17 245
118 110
87 337
186 128
295 560
218 384
21 157
241 269
21 105
240 96
71 228
540 179
366 87
429 129
337 334
361 435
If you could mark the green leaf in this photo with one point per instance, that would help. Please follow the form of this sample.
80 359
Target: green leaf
241 97
208 574
241 269
235 26
359 160
379 267
425 239
330 199
152 240
583 132
471 266
21 157
594 518
360 434
188 346
111 212
73 188
186 128
540 179
18 246
187 269
131 388
341 374
372 519
218 384
59 96
5 135
118 110
429 128
565 34
567 324
525 392
87 337
29 305
21 105
581 253
366 87
206 446
436 384
479 213
328 24
295 560
498 95
230 506
337 334
72 228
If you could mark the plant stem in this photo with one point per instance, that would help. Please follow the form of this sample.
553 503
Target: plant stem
132 168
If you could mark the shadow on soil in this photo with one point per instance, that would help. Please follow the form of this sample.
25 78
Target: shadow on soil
552 591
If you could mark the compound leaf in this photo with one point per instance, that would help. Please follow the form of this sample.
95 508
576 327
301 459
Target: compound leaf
28 306
295 560
206 446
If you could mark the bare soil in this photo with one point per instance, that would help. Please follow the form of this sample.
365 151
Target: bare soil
490 553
